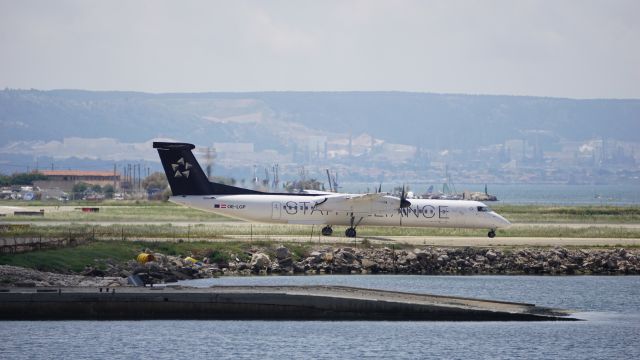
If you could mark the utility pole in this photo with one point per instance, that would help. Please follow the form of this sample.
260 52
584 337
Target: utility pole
139 179
276 177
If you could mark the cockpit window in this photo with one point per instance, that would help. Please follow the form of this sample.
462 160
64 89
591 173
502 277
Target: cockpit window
483 209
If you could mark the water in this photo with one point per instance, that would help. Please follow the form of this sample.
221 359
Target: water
627 194
611 306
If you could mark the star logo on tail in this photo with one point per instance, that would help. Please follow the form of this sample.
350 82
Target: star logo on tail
181 168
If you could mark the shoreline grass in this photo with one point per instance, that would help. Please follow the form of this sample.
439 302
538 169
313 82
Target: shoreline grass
219 231
99 254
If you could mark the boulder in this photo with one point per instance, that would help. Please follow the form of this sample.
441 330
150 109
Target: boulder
328 257
260 261
491 255
443 259
368 264
285 262
282 253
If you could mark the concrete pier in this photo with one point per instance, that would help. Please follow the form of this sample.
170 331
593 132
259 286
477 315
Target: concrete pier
257 303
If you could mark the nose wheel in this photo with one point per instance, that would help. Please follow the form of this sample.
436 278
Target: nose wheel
327 231
491 234
350 232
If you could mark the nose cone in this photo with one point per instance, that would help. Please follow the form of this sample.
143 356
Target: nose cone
500 222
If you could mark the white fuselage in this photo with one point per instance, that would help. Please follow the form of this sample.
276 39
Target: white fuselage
296 209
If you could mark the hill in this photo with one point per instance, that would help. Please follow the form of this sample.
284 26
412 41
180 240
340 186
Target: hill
275 119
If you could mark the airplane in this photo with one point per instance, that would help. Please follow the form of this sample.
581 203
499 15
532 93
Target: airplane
191 187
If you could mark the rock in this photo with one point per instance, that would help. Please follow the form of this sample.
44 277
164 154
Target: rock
491 255
260 261
282 253
285 262
443 259
344 257
421 254
368 264
93 272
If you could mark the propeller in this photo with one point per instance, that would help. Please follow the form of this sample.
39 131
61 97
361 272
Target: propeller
404 203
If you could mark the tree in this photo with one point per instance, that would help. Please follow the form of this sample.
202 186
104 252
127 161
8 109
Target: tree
108 191
26 178
157 181
96 188
79 189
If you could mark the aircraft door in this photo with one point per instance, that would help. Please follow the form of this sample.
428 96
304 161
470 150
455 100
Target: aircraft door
276 211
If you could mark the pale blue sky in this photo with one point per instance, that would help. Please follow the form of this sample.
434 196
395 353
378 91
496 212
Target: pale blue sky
571 48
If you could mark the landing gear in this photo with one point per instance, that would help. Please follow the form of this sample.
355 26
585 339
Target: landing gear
351 231
491 234
327 231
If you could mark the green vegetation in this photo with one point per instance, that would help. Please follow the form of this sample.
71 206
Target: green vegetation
100 253
20 178
533 231
73 259
52 202
225 230
569 214
142 212
152 219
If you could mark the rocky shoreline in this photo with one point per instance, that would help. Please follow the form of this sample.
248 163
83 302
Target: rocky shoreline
346 260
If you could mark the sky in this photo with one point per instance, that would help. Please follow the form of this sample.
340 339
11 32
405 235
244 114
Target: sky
555 48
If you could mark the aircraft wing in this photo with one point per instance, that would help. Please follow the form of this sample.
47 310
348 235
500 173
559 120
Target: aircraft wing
358 203
317 192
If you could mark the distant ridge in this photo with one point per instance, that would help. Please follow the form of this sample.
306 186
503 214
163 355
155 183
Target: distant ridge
272 119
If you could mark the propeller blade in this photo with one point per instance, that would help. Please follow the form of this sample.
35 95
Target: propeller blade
404 203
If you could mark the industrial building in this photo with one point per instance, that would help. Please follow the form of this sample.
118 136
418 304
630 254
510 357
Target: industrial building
65 179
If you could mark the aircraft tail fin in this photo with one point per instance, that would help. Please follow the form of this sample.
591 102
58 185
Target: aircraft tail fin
185 175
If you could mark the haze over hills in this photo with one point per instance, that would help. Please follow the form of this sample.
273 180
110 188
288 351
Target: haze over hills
303 126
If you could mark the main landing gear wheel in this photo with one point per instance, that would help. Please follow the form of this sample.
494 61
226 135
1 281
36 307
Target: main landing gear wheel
491 234
327 231
351 231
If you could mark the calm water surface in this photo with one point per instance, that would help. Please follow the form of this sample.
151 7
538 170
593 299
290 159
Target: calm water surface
611 306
